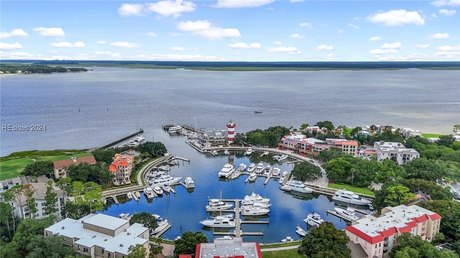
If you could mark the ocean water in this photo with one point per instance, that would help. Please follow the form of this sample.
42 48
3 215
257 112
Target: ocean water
82 110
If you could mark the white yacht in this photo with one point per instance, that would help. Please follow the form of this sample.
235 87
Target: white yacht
167 188
252 177
158 190
189 183
217 205
214 153
282 158
162 225
139 139
124 216
226 171
259 168
276 171
313 219
219 222
255 197
350 197
149 192
130 195
298 186
285 187
226 152
251 167
242 167
288 239
253 211
264 205
165 180
267 171
265 153
248 152
175 129
300 231
349 213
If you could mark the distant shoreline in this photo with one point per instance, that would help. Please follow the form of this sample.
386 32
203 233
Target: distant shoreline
249 66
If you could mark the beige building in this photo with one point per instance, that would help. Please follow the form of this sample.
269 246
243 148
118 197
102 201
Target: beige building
378 235
395 151
121 168
61 166
101 236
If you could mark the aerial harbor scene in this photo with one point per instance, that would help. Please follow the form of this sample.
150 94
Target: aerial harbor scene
171 128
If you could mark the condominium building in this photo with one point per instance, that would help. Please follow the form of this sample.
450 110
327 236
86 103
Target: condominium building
395 151
224 247
378 235
39 192
61 166
347 146
121 167
409 132
101 236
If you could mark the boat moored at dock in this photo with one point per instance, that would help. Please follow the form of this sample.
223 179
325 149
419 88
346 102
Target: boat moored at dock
251 167
149 192
158 190
313 219
348 213
226 171
219 222
217 205
259 168
350 197
189 184
248 152
300 231
297 186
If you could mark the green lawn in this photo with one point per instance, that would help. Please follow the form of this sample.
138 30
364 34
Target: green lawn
431 135
263 246
292 253
360 190
12 165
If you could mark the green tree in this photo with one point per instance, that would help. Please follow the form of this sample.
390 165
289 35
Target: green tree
306 171
423 168
330 154
50 199
145 218
6 219
30 200
392 195
98 173
137 251
93 196
188 241
104 155
16 193
430 188
76 211
154 149
303 126
325 241
49 247
414 247
27 233
326 124
339 169
65 184
38 168
450 213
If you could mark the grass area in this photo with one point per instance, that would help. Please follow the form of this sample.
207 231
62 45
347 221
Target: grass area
263 246
12 165
360 190
431 135
282 254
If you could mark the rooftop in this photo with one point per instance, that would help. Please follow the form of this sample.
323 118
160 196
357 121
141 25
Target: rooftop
228 248
59 164
105 221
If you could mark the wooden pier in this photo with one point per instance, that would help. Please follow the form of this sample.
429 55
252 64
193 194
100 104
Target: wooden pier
159 234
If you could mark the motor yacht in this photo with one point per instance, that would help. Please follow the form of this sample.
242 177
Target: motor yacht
255 197
158 190
248 152
349 213
218 222
226 171
251 167
350 197
259 168
253 211
313 219
298 186
300 231
189 183
276 171
149 192
162 225
242 167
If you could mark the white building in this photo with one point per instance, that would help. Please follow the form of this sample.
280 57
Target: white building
377 236
101 236
409 132
39 190
396 151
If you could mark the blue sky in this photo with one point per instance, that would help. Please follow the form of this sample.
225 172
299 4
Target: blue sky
231 30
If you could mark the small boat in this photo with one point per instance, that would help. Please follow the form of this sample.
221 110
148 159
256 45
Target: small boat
258 112
259 168
149 192
253 211
189 183
300 231
267 171
228 216
158 190
226 171
124 216
298 186
282 158
350 197
167 188
224 238
175 129
288 239
265 153
242 167
130 195
226 152
313 219
218 222
251 167
349 213
138 195
214 153
162 225
248 152
256 198
252 177
276 171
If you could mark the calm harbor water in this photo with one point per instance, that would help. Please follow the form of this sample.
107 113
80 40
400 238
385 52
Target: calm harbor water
184 210
83 110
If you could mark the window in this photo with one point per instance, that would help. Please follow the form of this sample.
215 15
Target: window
85 249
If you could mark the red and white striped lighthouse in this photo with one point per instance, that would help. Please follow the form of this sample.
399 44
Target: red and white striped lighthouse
231 132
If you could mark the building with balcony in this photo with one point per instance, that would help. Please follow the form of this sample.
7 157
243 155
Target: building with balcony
121 168
101 236
395 151
378 235
61 166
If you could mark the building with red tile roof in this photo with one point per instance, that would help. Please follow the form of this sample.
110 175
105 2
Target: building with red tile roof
121 168
60 166
378 235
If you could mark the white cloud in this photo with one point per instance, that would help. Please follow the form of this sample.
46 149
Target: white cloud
152 34
107 54
245 45
288 50
242 3
277 42
297 36
123 44
423 46
296 1
64 44
10 46
375 38
131 10
205 29
448 52
50 32
324 47
171 8
354 26
397 18
449 48
101 42
14 33
440 36
331 57
306 25
379 51
177 48
446 3
447 12
394 45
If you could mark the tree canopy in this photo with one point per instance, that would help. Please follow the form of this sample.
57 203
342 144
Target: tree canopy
104 155
306 171
414 247
392 195
38 168
188 241
98 173
325 241
268 137
145 218
154 149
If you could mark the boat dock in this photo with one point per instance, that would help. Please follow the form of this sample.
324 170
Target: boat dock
339 215
114 143
159 234
331 191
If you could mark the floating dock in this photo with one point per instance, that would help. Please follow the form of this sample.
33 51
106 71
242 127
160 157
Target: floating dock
159 234
339 215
